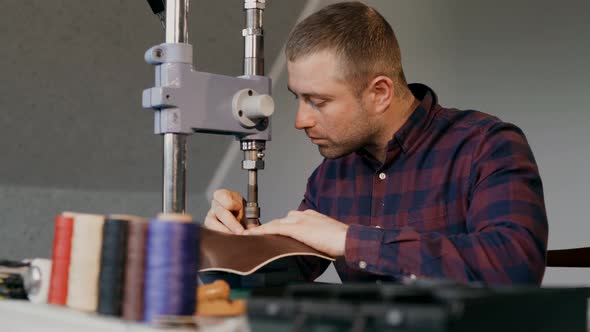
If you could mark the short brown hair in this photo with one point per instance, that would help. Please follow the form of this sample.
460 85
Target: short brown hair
359 35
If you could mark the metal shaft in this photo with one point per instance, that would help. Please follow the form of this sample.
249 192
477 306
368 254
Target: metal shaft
174 158
177 21
253 65
174 190
253 43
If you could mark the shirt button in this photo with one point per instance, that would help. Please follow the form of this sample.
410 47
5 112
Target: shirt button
382 176
363 265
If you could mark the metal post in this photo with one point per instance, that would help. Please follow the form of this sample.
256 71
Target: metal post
253 65
253 39
174 161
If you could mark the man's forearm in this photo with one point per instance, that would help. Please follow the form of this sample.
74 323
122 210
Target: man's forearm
502 255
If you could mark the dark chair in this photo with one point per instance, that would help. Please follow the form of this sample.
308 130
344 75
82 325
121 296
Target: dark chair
575 257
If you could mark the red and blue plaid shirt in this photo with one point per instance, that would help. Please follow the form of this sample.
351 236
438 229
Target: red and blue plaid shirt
458 197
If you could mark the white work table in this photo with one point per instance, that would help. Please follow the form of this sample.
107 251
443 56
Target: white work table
24 316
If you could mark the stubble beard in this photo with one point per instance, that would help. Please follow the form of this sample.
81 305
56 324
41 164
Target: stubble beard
357 136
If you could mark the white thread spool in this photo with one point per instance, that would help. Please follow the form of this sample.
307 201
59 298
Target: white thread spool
37 280
85 261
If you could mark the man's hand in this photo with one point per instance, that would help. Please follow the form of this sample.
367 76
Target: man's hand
310 227
226 213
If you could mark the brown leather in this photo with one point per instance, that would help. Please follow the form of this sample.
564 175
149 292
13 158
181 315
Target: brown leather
245 254
575 257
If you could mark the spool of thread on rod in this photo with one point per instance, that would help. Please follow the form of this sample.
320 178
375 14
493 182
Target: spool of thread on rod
60 268
112 265
135 269
85 262
171 267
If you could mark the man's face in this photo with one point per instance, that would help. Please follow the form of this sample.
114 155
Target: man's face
328 110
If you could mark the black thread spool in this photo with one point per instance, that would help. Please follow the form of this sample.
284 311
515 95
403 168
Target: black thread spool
112 266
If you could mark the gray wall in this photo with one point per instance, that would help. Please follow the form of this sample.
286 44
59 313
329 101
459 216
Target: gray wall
74 136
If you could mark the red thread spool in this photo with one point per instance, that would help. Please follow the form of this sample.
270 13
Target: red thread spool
62 245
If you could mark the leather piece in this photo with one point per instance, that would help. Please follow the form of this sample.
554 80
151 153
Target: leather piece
244 255
574 257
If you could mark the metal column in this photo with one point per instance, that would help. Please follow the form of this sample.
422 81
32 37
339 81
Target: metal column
174 159
253 66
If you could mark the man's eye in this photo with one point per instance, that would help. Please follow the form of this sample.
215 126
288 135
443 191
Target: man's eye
317 103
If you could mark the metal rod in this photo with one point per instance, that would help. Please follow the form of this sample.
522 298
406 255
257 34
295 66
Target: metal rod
252 179
174 157
253 43
176 21
174 189
253 65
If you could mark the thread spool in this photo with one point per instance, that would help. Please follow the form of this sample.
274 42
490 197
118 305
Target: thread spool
62 245
85 262
171 267
37 280
112 266
135 269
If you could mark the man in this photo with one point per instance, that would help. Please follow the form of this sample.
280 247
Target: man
407 188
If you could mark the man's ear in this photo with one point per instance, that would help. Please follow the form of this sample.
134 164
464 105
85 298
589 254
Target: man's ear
382 91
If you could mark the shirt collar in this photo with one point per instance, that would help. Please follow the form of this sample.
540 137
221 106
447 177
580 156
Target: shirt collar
414 127
417 123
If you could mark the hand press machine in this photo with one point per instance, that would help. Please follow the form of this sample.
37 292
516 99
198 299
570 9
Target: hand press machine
186 101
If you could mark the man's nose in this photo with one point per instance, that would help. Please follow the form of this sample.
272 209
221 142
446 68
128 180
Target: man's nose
306 117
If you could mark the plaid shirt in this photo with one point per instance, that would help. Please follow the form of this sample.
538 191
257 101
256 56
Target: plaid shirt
459 196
